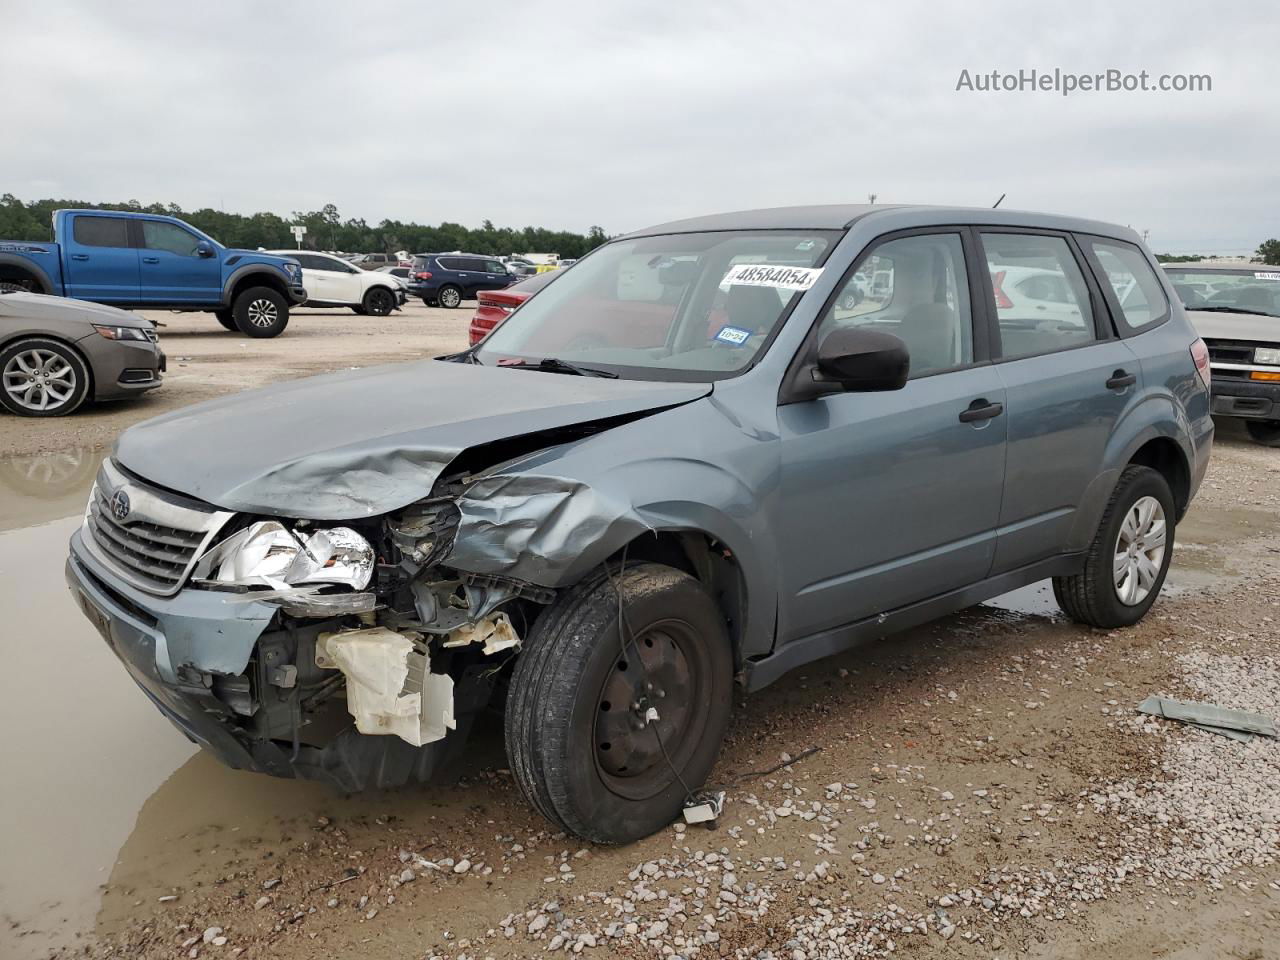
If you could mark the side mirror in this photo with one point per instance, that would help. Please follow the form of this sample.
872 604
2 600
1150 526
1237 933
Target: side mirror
204 249
863 360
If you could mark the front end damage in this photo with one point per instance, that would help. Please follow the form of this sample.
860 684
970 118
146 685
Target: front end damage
357 654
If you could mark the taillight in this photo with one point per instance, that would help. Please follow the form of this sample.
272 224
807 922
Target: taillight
1002 299
1200 355
422 275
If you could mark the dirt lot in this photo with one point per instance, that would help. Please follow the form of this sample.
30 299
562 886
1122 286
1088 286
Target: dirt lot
981 787
206 361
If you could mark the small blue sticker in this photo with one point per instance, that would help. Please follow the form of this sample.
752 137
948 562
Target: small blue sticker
734 336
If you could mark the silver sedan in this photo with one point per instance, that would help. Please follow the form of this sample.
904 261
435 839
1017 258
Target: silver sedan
57 353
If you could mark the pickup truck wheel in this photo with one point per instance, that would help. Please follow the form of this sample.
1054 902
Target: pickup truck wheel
1265 432
449 296
42 378
379 302
8 286
1126 564
261 312
583 745
228 319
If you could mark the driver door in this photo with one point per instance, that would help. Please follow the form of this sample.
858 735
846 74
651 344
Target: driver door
893 497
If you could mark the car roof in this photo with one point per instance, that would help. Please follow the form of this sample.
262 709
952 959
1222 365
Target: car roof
843 216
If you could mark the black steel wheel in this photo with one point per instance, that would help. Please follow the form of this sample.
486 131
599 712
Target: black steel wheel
609 722
379 302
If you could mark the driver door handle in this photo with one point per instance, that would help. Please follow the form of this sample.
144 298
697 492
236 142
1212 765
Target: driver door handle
150 259
1121 378
981 410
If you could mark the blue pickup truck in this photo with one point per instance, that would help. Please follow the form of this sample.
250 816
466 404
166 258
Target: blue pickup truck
143 261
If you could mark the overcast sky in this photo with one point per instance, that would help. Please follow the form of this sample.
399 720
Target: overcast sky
621 114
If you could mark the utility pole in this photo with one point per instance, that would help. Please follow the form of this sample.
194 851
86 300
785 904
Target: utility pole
1145 234
871 198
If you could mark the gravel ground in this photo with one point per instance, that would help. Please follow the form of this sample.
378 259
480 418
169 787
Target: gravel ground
206 361
981 787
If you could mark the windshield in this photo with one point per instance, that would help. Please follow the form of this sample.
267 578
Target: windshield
1248 291
693 306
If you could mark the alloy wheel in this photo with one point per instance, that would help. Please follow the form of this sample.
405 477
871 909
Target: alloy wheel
262 312
450 298
39 379
1139 551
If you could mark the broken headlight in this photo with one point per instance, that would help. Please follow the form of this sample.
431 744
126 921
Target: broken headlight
267 554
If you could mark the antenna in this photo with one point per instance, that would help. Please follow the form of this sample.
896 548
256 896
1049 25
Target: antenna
997 203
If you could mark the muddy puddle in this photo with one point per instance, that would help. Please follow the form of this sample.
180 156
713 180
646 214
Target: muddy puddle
104 802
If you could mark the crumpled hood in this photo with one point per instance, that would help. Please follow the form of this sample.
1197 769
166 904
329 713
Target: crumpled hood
1235 326
364 442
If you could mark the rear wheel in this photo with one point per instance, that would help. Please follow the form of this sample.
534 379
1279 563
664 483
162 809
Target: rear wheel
449 296
1127 562
379 302
1265 432
42 378
584 747
261 312
228 319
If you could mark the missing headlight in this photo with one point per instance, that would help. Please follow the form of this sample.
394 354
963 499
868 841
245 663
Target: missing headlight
269 555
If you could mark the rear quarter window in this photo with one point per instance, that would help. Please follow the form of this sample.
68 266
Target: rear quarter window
1139 295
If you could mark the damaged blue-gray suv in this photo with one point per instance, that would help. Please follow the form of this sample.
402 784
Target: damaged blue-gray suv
712 450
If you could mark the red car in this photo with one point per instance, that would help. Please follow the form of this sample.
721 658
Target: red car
493 306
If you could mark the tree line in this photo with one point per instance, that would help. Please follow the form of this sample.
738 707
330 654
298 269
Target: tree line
326 230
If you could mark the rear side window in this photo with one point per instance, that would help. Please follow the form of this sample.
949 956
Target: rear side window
1041 299
1137 289
101 231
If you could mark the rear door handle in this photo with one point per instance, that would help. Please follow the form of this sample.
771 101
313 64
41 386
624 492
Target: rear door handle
1121 378
150 259
981 410
79 256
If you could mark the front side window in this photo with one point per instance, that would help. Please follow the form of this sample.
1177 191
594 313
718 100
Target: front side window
101 231
915 288
1137 289
696 306
1041 299
493 266
158 235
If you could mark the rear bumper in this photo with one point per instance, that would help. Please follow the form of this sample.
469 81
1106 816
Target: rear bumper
1246 399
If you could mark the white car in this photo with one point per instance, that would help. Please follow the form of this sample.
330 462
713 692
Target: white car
1034 295
332 282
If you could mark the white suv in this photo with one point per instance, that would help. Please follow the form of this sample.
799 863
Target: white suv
332 282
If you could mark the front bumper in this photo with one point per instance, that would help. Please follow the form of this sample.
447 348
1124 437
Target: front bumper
1248 399
122 368
298 294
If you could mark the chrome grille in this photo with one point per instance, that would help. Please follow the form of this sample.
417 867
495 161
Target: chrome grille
158 539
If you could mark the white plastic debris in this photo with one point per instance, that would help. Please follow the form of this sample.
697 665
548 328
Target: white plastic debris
390 686
496 633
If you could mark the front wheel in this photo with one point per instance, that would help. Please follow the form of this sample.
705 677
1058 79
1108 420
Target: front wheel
582 738
1127 562
261 312
42 378
378 302
1265 432
449 297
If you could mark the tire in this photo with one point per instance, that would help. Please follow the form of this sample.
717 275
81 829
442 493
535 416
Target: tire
850 300
1265 432
359 311
9 286
561 702
426 302
228 320
1094 596
378 302
261 312
449 297
40 377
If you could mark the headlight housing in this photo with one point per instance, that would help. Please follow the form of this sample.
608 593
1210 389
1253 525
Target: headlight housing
292 271
1267 355
269 555
112 332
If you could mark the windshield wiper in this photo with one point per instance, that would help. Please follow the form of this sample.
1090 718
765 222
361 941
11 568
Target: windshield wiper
1252 313
556 365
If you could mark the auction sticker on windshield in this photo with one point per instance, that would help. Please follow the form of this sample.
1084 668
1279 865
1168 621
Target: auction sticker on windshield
767 275
735 336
